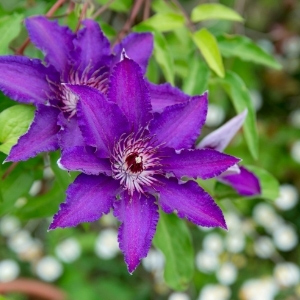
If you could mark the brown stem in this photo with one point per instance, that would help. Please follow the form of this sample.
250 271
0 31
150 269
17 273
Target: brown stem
135 10
9 169
186 15
146 13
82 15
33 288
102 9
49 14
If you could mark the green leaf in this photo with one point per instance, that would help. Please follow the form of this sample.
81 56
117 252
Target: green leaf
240 97
118 5
163 56
214 11
10 27
269 184
174 240
163 22
196 81
14 122
161 6
245 49
208 46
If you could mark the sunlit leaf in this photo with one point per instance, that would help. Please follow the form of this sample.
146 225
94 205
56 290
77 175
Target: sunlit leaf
245 49
174 240
269 184
240 97
210 11
118 5
14 122
164 21
10 27
208 46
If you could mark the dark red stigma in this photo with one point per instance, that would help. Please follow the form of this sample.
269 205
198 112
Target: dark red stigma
133 165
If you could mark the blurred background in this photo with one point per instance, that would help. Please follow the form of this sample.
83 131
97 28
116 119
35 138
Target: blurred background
257 259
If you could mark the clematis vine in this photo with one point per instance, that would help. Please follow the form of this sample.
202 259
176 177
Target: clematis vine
240 178
135 160
83 58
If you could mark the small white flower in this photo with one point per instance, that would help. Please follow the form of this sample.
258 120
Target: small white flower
215 115
259 289
285 238
106 246
214 292
49 269
288 197
294 118
9 225
213 242
264 247
207 261
266 216
235 242
295 151
35 188
287 274
20 241
227 273
154 261
68 251
9 270
179 296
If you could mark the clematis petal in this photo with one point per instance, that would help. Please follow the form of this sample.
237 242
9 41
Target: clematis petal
178 126
101 122
88 198
41 135
220 138
139 217
164 95
54 40
24 79
83 159
204 163
92 48
191 202
129 91
245 183
138 47
69 134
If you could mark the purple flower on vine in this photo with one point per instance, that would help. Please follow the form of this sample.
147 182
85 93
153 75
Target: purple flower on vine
136 160
83 58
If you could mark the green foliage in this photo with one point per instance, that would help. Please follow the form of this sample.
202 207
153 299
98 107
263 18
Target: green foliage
118 5
10 27
173 239
245 49
209 11
240 97
163 22
14 121
208 46
269 184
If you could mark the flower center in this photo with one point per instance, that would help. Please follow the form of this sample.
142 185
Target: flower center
135 162
97 79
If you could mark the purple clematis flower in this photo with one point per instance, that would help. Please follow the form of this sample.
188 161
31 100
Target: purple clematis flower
83 58
240 178
139 161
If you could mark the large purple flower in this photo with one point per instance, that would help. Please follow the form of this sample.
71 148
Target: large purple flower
240 178
135 160
84 58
